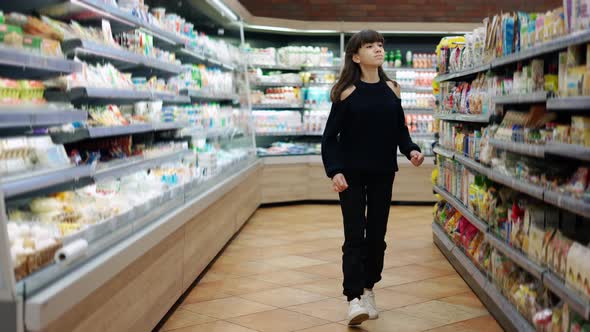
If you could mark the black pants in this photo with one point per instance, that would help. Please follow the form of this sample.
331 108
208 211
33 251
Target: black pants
364 233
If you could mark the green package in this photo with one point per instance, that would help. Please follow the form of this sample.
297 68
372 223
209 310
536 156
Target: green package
32 42
11 35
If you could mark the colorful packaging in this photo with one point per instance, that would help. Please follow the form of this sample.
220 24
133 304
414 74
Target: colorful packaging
581 130
540 29
562 74
535 239
475 244
575 80
538 74
568 10
508 35
578 182
522 36
50 47
575 56
582 13
552 83
532 29
11 35
33 43
558 254
547 238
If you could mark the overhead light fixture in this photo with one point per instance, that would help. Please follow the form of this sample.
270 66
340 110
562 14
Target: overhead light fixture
416 32
223 9
283 29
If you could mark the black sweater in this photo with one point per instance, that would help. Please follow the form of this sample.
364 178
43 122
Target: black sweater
364 131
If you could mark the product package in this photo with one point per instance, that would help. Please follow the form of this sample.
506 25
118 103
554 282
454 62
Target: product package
558 254
578 269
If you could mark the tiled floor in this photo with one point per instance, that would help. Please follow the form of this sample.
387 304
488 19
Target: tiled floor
282 273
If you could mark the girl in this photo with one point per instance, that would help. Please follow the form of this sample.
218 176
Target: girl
359 149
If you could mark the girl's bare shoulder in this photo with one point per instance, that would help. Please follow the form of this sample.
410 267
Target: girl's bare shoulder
346 93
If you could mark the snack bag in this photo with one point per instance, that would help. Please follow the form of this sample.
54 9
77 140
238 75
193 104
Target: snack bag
579 182
474 245
578 271
549 234
468 234
535 243
559 249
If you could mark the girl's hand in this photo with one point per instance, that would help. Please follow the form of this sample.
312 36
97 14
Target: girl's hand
339 183
417 158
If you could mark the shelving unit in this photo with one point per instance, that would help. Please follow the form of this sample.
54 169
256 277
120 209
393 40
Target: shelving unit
121 58
569 151
463 117
502 310
22 64
116 169
536 97
532 150
45 297
294 107
463 74
422 135
317 84
481 225
291 133
190 56
444 152
170 97
394 70
557 44
574 300
40 115
141 229
568 104
277 84
549 279
516 256
419 89
580 37
37 180
544 151
91 95
196 95
418 110
98 132
321 68
276 67
560 200
93 11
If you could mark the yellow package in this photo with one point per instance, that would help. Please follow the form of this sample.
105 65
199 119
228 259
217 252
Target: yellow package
451 225
473 198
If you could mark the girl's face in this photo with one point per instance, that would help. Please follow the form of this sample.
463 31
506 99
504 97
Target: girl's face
370 54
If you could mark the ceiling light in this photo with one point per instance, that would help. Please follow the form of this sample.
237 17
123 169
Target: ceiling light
223 9
283 29
416 32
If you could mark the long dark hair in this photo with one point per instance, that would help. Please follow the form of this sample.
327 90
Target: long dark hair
351 72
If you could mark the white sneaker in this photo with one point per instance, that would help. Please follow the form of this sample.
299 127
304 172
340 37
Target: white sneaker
357 313
368 299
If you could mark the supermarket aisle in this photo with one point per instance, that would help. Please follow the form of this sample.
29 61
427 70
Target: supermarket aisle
282 273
